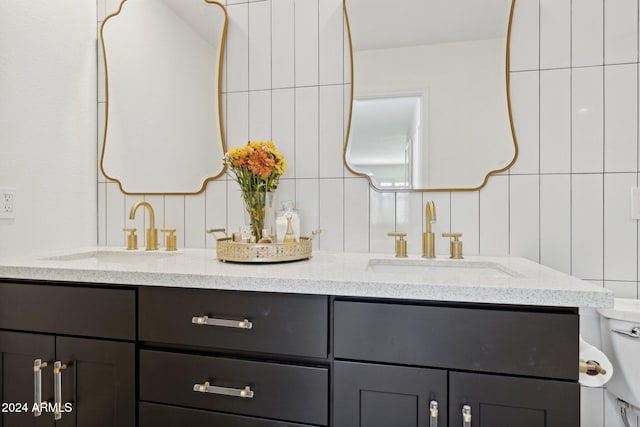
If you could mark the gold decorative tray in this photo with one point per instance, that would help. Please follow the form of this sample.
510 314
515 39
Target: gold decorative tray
228 250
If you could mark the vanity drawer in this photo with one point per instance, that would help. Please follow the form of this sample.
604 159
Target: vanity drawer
154 415
533 343
284 392
69 310
286 324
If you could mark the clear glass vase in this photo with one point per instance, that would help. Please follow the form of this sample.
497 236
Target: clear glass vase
260 212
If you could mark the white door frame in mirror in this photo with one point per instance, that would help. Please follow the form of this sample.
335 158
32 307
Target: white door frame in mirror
163 131
467 166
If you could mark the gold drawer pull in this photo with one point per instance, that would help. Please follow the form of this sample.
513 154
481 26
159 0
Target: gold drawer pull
225 323
245 393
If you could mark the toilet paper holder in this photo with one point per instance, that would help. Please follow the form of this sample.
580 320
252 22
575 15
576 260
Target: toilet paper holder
591 367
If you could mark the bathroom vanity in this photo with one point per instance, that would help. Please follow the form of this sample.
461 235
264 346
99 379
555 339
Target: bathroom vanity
340 340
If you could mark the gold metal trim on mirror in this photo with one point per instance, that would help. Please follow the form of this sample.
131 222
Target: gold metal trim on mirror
221 124
513 132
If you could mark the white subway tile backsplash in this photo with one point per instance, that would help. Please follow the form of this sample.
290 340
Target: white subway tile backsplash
465 219
283 43
331 216
102 213
115 214
620 231
587 221
622 289
555 222
259 45
587 27
260 115
408 219
283 126
306 42
308 204
195 221
175 217
555 121
587 119
382 220
237 52
555 33
524 205
331 56
620 31
525 36
306 131
331 132
494 217
237 119
525 106
356 215
215 211
621 118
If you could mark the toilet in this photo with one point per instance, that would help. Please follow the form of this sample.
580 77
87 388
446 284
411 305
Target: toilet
620 327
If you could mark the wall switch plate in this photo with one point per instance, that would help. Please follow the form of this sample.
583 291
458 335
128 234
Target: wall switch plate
7 203
635 203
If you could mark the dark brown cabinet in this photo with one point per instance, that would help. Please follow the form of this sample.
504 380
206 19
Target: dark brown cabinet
499 401
96 375
509 366
383 395
164 357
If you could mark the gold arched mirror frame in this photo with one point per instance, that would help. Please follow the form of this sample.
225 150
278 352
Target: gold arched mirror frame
509 125
140 153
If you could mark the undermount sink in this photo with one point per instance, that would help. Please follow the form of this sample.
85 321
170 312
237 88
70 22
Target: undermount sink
116 256
440 268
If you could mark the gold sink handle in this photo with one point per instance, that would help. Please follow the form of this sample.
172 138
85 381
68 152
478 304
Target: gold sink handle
132 239
456 245
401 244
170 239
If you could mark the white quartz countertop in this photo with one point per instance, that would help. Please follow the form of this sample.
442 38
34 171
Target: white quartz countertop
499 280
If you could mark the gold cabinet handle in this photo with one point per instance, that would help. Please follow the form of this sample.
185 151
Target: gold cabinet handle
433 413
245 393
38 366
58 367
225 323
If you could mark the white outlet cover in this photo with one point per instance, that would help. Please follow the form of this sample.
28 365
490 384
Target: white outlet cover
7 203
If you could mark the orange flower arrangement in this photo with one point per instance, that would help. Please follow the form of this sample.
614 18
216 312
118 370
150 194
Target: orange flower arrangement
257 167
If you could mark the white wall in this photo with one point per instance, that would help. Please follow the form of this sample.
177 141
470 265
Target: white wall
564 204
48 124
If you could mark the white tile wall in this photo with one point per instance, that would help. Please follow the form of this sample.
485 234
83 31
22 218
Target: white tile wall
565 203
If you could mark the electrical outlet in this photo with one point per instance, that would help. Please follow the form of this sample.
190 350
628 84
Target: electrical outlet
635 203
7 203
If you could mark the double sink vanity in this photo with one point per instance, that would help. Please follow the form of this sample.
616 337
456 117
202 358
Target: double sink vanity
178 338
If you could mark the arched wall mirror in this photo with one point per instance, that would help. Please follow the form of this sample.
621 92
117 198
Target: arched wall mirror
430 96
163 131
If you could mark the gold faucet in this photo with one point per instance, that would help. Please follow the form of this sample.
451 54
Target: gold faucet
152 231
429 237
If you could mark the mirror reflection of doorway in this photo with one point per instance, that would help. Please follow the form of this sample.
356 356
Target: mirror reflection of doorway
387 139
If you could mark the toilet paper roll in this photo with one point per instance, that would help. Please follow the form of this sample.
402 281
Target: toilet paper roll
588 352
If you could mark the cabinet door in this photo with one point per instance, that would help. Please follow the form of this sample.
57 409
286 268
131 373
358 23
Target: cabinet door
17 354
99 382
369 395
498 401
